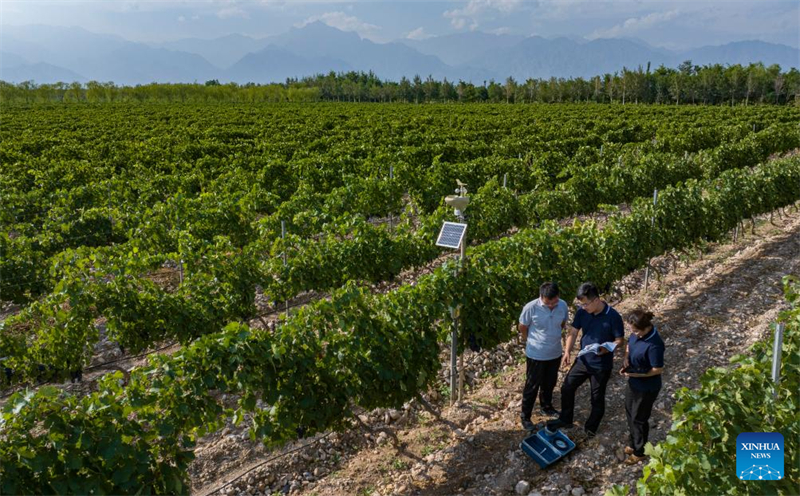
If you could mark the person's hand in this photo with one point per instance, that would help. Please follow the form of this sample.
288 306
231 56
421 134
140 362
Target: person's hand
602 351
622 371
565 361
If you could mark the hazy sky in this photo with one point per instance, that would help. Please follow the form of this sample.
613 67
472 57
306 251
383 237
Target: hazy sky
675 25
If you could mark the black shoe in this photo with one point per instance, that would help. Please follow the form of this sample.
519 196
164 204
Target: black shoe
550 412
528 425
589 433
555 424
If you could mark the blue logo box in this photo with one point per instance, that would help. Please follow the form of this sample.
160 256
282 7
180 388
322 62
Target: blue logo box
759 456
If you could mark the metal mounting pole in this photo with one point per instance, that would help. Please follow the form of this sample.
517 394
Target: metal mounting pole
461 363
453 356
456 379
505 180
652 226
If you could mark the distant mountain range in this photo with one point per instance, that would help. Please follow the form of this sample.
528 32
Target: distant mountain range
47 54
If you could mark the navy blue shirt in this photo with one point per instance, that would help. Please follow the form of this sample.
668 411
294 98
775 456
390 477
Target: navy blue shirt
601 328
644 354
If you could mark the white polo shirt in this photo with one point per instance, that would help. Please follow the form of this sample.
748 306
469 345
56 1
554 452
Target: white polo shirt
544 329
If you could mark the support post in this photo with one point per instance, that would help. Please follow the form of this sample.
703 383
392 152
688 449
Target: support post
461 378
391 214
652 226
454 356
777 346
461 364
285 263
456 379
180 256
110 217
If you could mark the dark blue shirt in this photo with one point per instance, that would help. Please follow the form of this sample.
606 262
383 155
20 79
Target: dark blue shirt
601 328
644 354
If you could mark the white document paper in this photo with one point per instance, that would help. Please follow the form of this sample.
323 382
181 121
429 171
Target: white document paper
594 348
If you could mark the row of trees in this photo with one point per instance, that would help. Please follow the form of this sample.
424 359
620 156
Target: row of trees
710 84
212 91
687 84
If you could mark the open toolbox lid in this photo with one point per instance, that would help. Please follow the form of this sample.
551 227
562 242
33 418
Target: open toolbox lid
546 447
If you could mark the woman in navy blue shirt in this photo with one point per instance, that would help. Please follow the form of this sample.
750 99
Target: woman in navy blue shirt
643 365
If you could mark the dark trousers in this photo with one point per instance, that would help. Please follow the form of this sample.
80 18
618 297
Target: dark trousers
540 378
577 375
638 406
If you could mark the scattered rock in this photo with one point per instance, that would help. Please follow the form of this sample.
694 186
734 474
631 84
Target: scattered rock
382 438
522 487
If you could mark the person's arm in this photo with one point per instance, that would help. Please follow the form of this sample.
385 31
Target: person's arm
649 373
525 322
619 342
571 336
626 361
618 328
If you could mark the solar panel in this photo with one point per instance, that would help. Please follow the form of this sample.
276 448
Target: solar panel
451 235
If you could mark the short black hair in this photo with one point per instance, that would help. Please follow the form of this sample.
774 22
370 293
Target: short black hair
549 290
588 290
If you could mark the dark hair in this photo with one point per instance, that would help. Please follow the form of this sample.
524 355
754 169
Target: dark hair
549 290
588 290
640 319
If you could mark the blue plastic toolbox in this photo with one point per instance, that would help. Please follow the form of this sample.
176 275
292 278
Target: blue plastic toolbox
546 447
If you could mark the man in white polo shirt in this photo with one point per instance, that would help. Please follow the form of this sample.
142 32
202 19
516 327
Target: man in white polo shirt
540 326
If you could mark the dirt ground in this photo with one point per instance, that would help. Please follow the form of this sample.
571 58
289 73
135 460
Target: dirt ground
709 305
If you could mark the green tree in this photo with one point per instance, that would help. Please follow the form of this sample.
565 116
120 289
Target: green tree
511 89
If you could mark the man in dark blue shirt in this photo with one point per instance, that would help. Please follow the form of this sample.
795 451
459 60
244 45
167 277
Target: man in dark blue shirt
599 323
